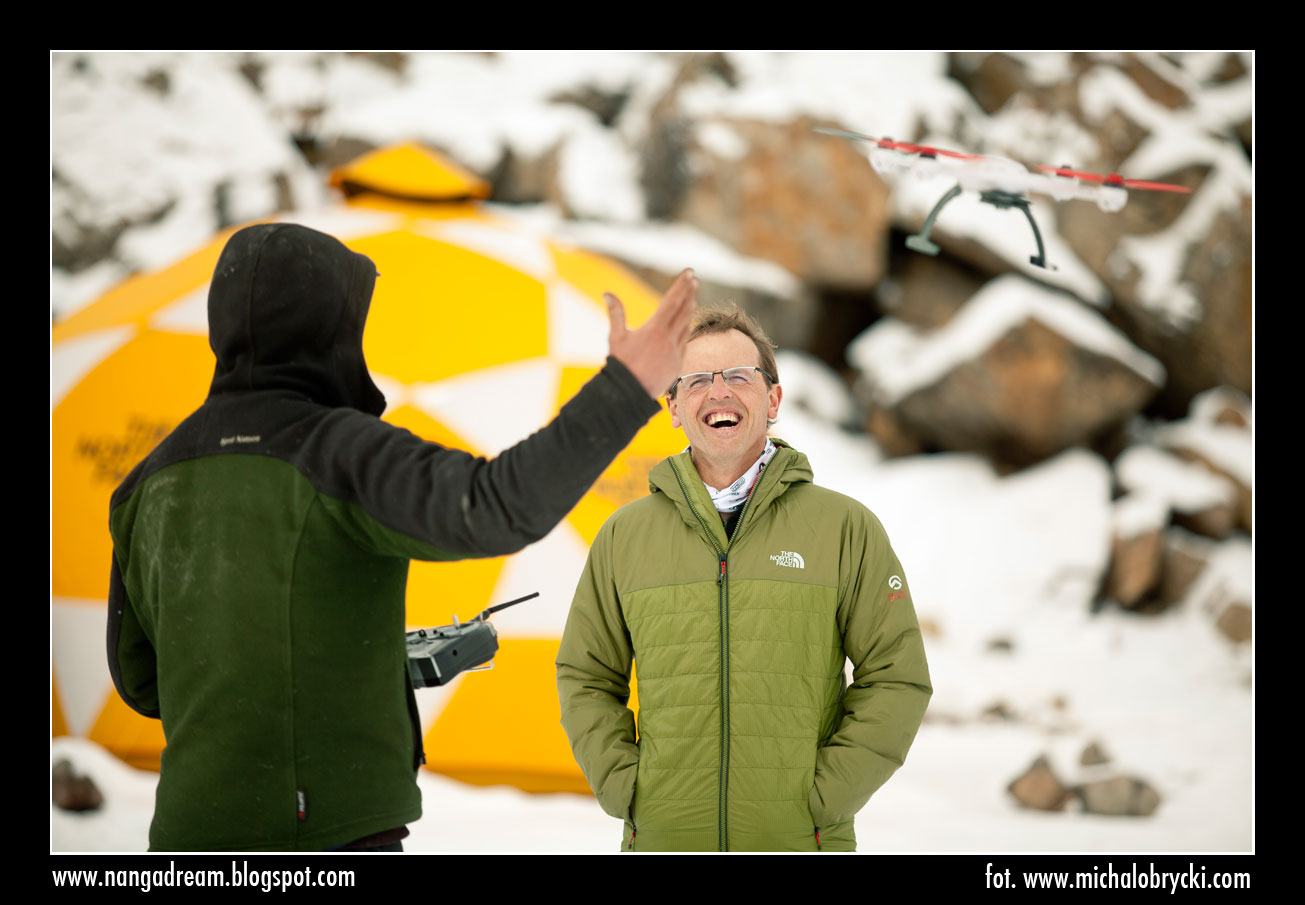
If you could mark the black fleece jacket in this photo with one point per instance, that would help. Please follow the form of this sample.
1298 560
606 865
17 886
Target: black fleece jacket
261 555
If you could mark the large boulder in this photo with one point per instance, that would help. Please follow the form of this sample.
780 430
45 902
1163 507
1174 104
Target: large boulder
1020 374
780 191
768 186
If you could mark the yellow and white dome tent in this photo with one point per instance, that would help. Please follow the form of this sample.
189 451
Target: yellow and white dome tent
479 330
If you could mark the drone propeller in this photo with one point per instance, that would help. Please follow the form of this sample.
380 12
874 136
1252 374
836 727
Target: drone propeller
1115 180
844 133
902 146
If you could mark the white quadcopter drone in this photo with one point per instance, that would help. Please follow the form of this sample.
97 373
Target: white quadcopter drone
1001 182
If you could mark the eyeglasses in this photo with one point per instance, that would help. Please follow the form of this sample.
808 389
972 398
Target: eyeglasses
731 377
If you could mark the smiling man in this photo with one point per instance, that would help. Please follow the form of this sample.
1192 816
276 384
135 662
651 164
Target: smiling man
741 589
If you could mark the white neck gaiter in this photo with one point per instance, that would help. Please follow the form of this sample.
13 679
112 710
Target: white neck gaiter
732 497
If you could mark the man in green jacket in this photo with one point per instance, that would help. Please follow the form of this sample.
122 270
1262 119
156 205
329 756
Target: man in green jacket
740 589
260 552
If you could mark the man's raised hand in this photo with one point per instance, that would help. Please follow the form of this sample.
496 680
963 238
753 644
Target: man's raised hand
655 352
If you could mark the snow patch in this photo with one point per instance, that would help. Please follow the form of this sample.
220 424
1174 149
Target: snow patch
1185 486
899 359
599 177
1140 512
812 385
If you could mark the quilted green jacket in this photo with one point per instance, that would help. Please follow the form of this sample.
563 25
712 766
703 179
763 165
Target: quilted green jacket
749 737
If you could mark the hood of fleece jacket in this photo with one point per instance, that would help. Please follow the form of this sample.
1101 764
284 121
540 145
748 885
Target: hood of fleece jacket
286 310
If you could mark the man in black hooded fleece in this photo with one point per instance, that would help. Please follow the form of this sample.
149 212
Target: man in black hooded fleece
261 551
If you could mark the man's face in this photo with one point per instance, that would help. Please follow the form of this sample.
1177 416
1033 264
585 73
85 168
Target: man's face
724 423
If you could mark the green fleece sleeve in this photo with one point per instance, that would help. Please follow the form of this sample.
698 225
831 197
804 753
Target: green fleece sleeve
890 689
593 683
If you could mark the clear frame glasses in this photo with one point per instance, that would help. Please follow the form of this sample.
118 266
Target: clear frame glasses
732 377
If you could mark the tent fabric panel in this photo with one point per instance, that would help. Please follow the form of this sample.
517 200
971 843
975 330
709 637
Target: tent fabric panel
97 436
446 295
515 700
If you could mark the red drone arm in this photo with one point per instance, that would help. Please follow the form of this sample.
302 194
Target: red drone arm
1114 179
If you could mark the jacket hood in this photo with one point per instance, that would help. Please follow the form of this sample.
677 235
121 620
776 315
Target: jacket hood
286 310
787 467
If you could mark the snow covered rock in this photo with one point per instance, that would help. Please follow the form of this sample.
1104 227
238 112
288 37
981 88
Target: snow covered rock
151 153
780 191
1185 556
1137 546
1201 501
1019 374
1217 434
1225 589
927 292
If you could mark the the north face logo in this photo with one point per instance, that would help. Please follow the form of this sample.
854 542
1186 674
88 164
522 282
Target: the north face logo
786 558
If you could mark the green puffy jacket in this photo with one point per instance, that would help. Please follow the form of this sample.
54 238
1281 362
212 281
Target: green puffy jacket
749 738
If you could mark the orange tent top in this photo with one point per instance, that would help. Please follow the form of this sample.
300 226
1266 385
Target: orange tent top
409 172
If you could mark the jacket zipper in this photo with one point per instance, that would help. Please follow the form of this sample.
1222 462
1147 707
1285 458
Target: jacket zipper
722 806
723 595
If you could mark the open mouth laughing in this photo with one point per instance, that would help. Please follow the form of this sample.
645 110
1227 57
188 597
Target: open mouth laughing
722 419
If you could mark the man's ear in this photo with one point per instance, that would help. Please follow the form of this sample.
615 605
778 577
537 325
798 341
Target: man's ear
775 395
674 409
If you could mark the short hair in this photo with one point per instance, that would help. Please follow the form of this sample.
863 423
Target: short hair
723 320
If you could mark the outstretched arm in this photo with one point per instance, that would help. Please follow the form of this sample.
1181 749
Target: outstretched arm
424 501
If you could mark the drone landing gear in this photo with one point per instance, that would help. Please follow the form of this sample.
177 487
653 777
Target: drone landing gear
921 242
1004 200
